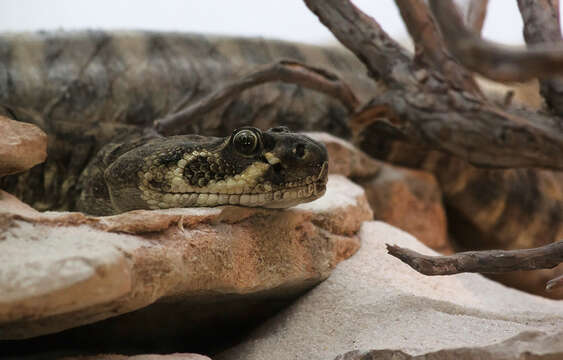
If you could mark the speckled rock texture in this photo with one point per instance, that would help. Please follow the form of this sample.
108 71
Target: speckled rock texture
22 146
62 270
373 301
526 346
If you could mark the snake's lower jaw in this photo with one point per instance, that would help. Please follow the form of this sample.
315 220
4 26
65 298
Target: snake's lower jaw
299 195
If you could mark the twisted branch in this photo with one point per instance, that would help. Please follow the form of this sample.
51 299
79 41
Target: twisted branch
489 59
429 45
488 261
424 108
286 71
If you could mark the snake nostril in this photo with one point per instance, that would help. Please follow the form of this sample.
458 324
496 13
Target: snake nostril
299 151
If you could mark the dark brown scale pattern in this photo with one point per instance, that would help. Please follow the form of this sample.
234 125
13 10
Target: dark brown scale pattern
202 169
172 156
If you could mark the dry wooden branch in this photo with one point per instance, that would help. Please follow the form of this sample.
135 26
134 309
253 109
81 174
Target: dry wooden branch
475 16
430 47
458 123
286 71
541 26
491 60
487 261
424 108
541 21
361 34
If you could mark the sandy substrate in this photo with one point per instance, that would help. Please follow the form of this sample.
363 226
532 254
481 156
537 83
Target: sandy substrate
374 301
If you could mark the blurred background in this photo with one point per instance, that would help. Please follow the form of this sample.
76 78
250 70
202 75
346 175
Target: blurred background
288 19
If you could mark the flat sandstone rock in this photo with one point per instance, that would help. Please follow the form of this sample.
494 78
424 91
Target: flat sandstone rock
62 270
374 302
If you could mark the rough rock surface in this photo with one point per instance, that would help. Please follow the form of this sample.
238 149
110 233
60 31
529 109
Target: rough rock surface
61 270
408 199
22 146
528 345
374 301
346 159
412 201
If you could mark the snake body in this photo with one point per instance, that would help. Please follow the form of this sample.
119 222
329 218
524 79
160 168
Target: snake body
91 91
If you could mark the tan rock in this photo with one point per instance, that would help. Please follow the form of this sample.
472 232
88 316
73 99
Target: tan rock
22 146
408 199
412 201
345 159
375 301
62 270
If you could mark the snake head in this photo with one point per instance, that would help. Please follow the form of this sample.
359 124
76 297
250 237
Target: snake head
271 169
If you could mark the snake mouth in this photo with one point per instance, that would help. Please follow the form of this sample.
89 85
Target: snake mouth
296 195
285 196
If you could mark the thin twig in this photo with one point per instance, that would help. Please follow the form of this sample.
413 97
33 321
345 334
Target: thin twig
492 60
541 26
487 261
554 283
286 71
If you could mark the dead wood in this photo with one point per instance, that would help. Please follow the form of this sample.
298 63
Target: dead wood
489 59
474 18
285 70
486 261
361 34
429 45
424 107
541 26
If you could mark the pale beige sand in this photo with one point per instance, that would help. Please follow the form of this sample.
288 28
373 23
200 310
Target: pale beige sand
374 301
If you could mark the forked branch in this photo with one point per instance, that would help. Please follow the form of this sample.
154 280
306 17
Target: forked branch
487 261
429 45
422 107
285 71
489 59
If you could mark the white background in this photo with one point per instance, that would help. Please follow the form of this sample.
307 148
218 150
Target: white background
283 19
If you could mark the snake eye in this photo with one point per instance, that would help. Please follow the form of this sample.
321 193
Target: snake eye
246 142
